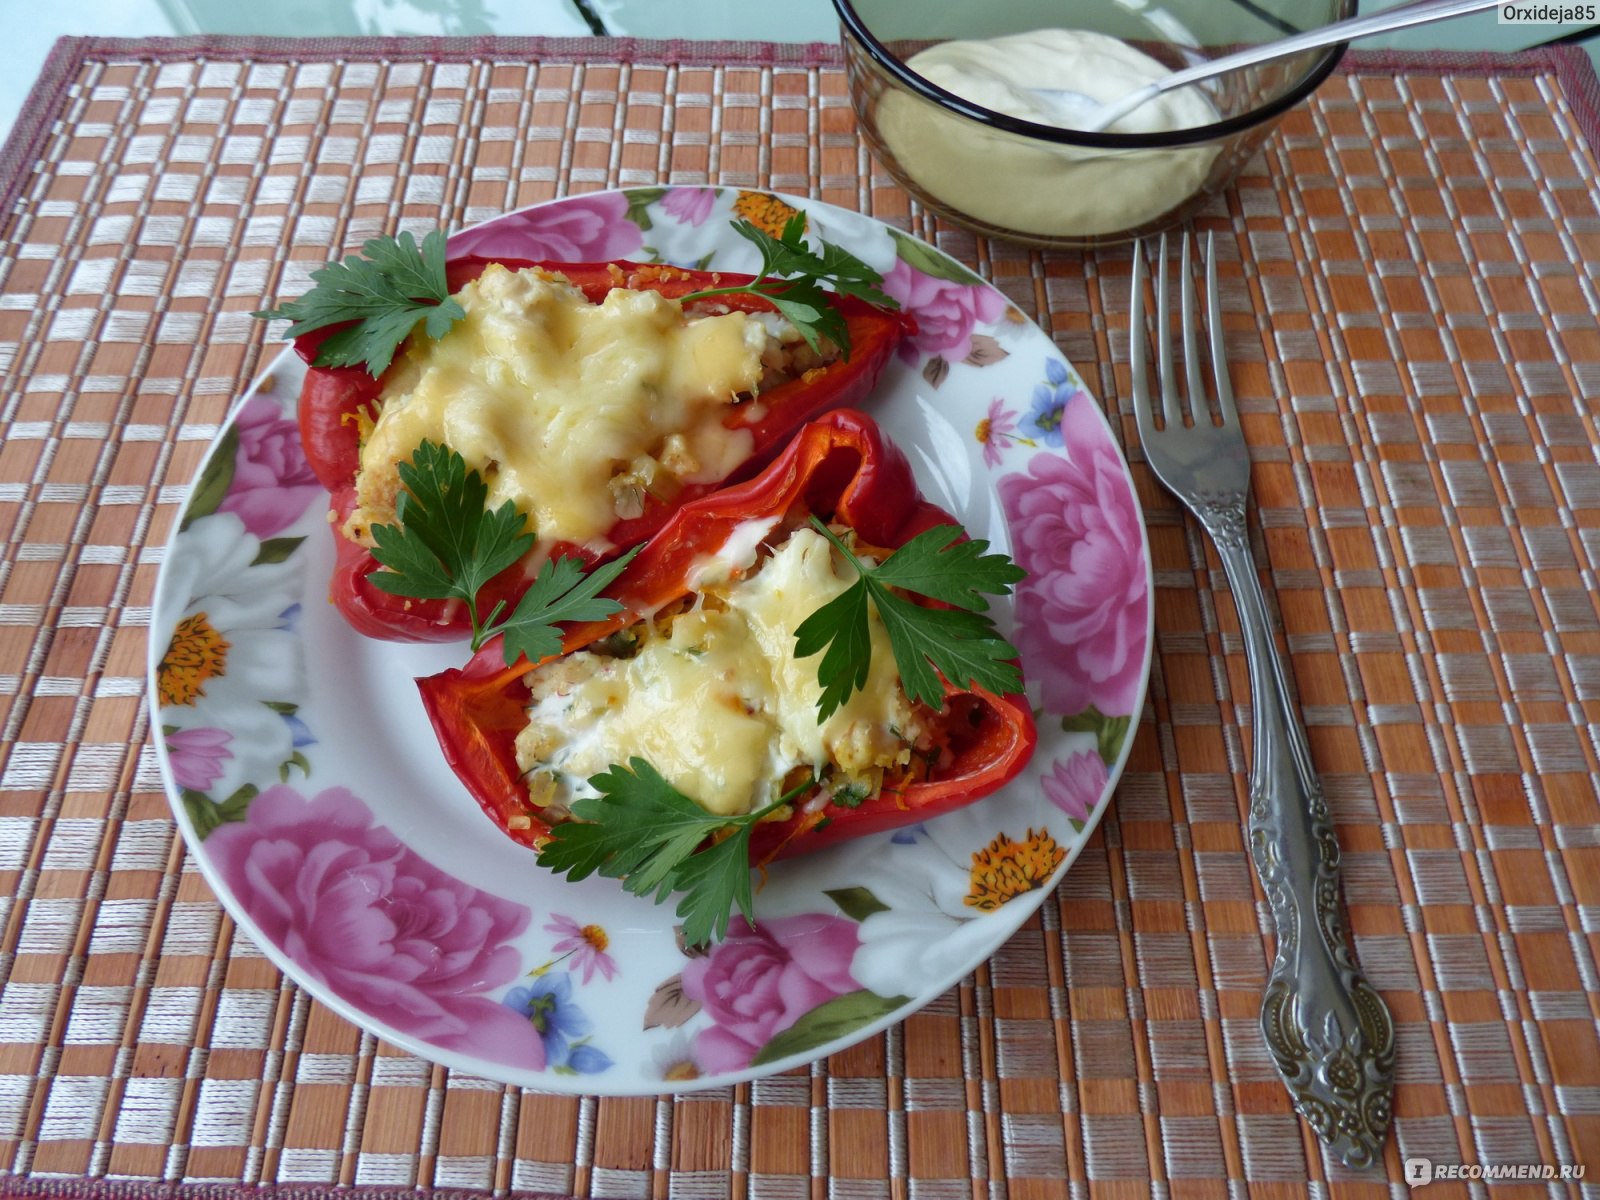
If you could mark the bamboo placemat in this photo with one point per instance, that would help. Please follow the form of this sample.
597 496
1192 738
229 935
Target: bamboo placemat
1412 296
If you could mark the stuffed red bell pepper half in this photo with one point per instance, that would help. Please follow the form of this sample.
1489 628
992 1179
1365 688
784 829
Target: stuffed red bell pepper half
597 398
796 660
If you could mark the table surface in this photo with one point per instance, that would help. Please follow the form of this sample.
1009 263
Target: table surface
33 28
1411 269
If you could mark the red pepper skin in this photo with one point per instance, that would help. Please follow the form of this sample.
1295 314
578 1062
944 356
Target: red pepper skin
839 467
331 398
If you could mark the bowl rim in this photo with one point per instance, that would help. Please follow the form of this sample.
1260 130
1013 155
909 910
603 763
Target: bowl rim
1193 135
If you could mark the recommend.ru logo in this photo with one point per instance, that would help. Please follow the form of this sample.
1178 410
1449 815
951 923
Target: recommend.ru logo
1419 1171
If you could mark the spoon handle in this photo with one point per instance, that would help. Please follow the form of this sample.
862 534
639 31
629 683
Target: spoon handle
1326 35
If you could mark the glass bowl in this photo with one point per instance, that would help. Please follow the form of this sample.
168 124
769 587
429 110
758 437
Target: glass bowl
1010 177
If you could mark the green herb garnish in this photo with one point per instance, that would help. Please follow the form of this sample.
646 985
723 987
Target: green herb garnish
642 830
851 795
962 642
386 294
792 275
447 544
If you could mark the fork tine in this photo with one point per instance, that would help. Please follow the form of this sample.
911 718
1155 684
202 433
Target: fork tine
1219 359
1191 342
1136 353
1170 412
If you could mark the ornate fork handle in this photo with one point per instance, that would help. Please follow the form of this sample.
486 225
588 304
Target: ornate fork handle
1329 1032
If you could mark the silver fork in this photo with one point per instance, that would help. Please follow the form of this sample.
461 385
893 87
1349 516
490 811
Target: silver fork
1329 1032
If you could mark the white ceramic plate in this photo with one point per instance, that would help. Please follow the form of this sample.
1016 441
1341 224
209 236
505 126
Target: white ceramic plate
304 773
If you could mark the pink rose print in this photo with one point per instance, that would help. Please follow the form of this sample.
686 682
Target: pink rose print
376 924
1076 784
759 981
198 756
272 484
946 311
579 229
1082 613
691 206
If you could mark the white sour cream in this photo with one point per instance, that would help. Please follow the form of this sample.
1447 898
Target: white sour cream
1033 187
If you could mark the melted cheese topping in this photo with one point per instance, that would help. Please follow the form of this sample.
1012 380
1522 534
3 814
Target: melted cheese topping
719 704
548 397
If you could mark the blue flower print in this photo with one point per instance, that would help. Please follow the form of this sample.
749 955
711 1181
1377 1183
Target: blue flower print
1050 400
299 731
908 835
585 1060
562 1026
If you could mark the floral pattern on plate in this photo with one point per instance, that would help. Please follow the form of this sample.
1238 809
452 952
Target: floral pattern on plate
929 893
377 924
594 228
230 671
1083 611
321 812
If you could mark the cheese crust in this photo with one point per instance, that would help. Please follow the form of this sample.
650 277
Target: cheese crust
566 408
715 699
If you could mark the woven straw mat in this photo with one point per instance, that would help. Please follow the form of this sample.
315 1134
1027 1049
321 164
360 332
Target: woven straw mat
1410 285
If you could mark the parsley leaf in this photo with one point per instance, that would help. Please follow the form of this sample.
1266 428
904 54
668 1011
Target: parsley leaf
447 544
642 830
839 629
961 643
562 592
936 565
386 294
791 276
713 881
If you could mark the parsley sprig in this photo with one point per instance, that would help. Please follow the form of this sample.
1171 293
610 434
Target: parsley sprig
383 293
448 543
792 275
961 642
644 831
386 294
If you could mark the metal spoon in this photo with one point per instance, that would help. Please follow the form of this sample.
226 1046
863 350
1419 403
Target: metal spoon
1077 111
